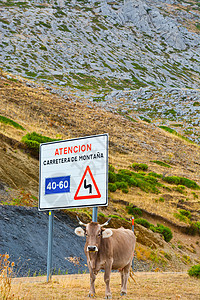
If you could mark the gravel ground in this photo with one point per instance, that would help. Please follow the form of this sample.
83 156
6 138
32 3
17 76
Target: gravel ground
24 235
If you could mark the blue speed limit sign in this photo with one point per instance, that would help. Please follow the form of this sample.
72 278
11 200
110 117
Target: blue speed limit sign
57 185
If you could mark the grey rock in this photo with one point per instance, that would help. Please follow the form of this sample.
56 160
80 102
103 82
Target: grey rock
135 42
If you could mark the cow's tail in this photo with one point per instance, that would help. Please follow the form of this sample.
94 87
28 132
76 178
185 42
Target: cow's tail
131 274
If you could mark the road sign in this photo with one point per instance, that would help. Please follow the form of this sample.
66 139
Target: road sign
74 173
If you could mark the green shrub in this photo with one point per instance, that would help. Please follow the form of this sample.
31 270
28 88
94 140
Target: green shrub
143 222
111 168
158 162
112 187
180 189
153 174
102 214
194 271
152 228
198 26
142 173
116 217
195 195
121 185
132 182
189 183
185 213
197 224
194 228
137 211
181 181
134 211
138 167
125 172
161 199
181 217
32 144
144 181
151 179
170 130
10 122
125 191
126 176
172 179
111 177
165 231
33 140
145 119
146 186
120 177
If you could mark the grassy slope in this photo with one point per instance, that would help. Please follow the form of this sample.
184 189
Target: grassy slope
47 114
146 286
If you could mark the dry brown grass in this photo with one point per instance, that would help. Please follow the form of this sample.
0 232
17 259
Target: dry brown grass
150 202
147 286
6 273
142 253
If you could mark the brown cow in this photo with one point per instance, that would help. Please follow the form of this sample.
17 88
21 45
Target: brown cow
108 249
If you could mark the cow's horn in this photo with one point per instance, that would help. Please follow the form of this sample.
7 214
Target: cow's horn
106 223
80 223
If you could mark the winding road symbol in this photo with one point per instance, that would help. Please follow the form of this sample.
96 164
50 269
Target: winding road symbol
88 186
93 192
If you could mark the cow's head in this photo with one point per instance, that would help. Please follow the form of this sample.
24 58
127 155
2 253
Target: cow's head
94 232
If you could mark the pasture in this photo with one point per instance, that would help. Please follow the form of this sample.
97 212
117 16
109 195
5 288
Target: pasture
147 285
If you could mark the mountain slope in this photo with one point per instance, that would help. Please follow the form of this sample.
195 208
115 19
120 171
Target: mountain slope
36 109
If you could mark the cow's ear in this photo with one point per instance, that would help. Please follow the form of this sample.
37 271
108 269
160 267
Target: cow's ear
106 233
79 231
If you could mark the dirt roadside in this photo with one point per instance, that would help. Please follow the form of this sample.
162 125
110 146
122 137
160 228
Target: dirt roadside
147 285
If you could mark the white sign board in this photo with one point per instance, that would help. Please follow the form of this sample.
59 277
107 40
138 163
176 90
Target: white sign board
74 173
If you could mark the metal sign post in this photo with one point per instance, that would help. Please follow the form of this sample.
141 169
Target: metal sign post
50 246
94 214
73 174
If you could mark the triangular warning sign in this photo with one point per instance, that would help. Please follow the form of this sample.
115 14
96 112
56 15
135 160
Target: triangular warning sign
89 187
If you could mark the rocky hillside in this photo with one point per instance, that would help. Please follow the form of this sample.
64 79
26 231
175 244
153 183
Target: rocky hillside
103 44
105 47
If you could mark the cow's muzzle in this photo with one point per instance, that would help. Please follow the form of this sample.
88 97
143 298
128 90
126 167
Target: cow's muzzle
92 248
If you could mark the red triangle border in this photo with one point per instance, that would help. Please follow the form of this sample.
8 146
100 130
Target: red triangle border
76 197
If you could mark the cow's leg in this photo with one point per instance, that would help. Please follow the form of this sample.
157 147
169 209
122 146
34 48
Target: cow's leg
92 280
107 273
124 276
122 279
